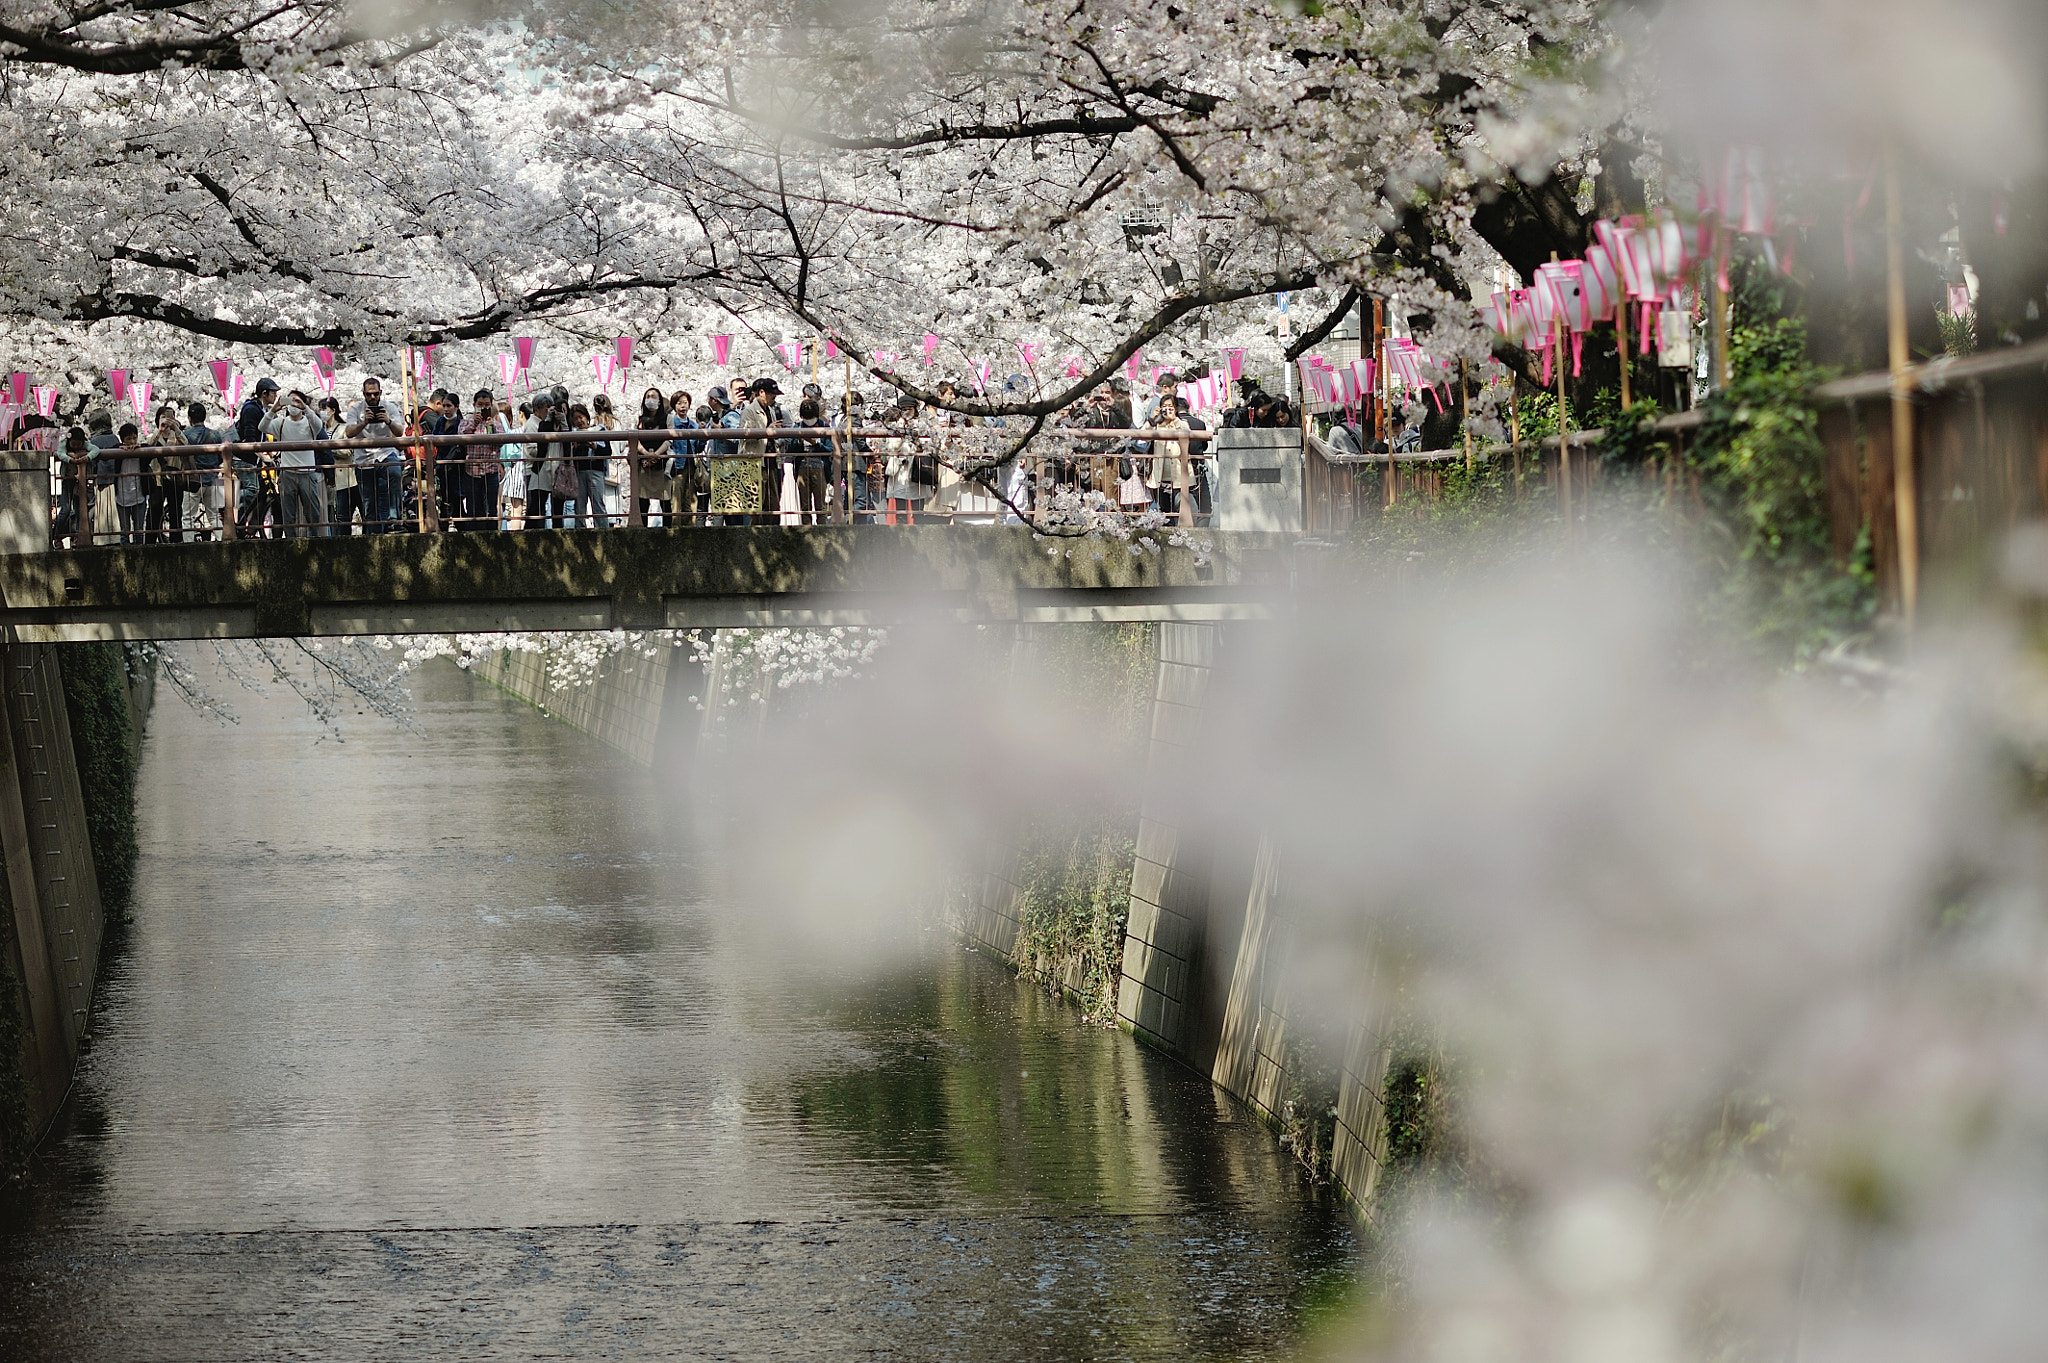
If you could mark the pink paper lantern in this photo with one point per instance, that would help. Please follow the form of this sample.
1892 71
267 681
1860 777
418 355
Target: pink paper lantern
721 350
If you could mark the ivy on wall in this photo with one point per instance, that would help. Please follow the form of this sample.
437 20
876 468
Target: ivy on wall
1075 900
1074 869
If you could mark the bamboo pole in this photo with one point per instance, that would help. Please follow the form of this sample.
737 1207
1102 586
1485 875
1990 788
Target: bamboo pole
1465 413
1381 418
1621 334
1905 496
1515 427
1187 484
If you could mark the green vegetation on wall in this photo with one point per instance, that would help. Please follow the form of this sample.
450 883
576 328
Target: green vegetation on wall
1075 883
1074 868
103 740
1308 1107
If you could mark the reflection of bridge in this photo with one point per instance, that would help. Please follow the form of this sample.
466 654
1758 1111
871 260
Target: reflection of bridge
632 579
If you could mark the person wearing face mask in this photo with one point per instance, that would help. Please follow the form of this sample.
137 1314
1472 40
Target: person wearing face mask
301 494
650 461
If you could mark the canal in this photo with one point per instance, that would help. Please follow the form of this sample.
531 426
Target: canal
446 1046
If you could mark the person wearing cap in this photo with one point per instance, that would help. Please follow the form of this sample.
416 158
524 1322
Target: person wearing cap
768 393
542 461
249 500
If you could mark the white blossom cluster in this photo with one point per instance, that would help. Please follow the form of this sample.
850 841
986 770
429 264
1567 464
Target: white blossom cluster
570 660
1128 178
757 661
1089 522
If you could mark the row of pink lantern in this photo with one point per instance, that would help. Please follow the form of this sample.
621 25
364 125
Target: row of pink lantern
1401 362
1645 259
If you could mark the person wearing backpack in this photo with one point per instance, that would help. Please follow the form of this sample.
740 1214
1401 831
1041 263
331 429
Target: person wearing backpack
250 503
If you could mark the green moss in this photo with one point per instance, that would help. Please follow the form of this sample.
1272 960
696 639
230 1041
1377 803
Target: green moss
103 741
1075 879
1074 869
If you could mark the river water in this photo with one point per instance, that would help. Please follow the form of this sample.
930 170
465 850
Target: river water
445 1047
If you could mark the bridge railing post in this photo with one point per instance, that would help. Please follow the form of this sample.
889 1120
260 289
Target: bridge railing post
1187 485
636 510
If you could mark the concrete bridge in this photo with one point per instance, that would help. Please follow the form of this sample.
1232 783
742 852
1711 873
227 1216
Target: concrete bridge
682 578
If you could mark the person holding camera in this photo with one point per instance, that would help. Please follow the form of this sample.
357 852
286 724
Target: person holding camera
378 471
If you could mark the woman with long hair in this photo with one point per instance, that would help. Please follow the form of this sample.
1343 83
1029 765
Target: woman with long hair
650 459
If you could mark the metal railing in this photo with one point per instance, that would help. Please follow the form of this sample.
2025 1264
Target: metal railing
427 489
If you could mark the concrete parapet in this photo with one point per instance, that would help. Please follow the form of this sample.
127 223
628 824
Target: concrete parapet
677 578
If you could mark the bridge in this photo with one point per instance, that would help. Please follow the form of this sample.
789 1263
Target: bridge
638 579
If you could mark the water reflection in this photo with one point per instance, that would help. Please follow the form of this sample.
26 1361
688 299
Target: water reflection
446 1046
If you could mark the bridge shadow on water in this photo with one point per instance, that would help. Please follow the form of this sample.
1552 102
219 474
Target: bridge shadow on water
450 1046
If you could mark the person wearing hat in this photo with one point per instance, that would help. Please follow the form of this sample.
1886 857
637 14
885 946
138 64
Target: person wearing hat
768 393
735 481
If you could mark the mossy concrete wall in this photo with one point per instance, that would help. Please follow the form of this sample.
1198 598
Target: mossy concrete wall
52 918
1208 955
681 578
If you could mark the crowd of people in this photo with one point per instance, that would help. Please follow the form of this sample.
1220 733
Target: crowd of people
718 465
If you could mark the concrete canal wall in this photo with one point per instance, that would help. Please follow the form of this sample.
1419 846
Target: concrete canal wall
629 705
1201 967
1207 944
66 822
